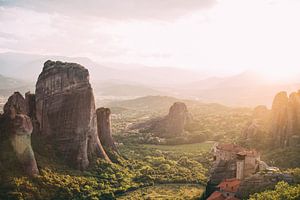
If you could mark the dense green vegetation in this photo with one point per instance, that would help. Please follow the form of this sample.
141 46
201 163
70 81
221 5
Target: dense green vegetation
166 191
140 166
210 121
282 191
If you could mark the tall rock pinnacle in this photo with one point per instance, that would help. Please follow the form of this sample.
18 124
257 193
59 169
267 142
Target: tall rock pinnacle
65 110
104 128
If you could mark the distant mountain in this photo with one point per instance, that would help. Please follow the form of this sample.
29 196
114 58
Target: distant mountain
120 88
28 66
245 89
131 80
9 85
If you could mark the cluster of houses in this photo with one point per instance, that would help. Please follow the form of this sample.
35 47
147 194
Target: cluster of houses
247 163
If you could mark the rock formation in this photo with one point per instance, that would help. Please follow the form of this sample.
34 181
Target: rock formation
104 128
176 119
16 127
279 119
172 125
65 110
31 112
261 113
285 119
293 126
256 129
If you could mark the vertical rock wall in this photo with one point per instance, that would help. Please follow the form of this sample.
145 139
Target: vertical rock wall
17 127
65 110
104 128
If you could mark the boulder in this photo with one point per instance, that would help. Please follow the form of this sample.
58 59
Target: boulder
65 110
104 128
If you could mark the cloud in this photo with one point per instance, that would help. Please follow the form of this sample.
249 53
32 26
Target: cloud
114 9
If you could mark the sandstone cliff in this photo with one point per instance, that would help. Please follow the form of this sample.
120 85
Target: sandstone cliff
285 119
16 129
172 125
65 111
104 128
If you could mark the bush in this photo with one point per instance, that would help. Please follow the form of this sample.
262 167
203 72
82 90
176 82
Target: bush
283 191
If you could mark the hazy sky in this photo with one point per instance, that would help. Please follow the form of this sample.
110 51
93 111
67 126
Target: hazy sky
217 35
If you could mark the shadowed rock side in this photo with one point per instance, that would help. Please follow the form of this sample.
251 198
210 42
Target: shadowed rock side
104 128
31 112
65 110
16 127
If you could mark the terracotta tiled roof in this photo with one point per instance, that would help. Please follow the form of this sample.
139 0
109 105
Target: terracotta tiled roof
216 196
219 196
230 185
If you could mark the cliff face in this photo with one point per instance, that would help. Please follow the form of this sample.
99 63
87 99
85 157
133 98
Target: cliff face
176 119
285 118
104 128
279 119
16 129
65 111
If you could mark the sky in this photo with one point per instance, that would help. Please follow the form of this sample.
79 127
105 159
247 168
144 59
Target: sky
219 36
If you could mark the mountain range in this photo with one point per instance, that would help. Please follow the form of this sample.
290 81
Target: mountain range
117 80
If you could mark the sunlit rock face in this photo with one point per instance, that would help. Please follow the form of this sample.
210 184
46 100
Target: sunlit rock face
294 114
172 125
17 127
65 110
279 119
285 119
104 128
176 120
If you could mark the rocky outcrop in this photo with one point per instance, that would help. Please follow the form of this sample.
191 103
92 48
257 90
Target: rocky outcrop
285 119
279 119
172 125
104 128
65 110
17 128
176 120
31 112
261 182
261 113
293 126
256 128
